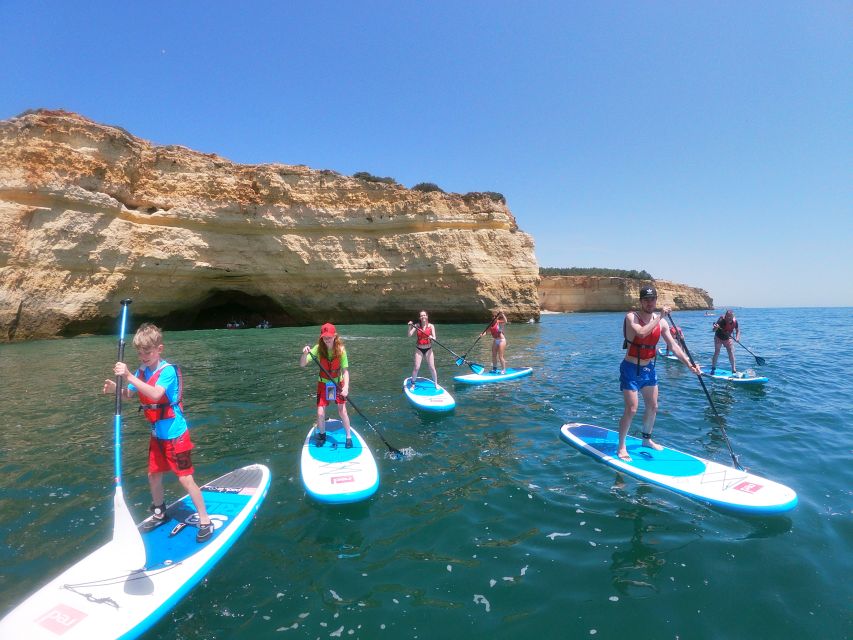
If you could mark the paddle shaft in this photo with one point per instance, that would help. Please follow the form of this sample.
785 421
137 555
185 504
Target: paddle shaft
358 411
758 359
683 343
472 365
119 385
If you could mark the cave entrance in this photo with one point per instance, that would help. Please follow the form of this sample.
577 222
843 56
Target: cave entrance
229 309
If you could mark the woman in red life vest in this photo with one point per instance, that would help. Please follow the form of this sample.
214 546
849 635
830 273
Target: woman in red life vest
333 383
724 328
642 329
159 387
423 346
498 341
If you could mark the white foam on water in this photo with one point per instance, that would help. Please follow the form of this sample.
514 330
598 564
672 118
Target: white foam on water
335 596
480 599
492 582
449 568
337 633
557 535
523 570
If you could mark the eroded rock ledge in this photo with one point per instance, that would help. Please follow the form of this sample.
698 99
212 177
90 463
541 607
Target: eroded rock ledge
92 214
600 293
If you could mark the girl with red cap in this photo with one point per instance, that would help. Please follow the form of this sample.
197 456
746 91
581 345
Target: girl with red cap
333 382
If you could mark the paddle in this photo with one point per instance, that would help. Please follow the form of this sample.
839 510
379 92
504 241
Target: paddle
461 359
758 359
476 368
683 342
363 417
126 537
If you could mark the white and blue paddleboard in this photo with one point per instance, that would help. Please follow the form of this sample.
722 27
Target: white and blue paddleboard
663 354
697 478
427 397
493 376
334 474
97 600
740 377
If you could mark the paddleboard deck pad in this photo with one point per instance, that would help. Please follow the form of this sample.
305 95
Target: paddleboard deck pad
95 599
427 397
697 478
334 474
739 377
493 376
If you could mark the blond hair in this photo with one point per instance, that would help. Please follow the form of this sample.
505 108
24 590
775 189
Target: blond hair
148 336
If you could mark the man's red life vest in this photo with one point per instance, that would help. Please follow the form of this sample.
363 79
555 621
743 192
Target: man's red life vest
644 348
162 409
423 336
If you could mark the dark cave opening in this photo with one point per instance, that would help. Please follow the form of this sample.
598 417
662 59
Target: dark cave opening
228 309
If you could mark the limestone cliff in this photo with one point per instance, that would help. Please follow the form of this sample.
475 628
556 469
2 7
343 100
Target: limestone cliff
599 293
91 214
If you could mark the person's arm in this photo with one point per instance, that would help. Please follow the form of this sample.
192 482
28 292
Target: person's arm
434 335
737 330
344 383
155 392
303 360
412 328
642 330
110 388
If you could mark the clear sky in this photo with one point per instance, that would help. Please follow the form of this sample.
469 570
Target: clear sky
708 143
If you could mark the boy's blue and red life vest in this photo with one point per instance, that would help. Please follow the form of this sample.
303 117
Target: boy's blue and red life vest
423 336
162 409
644 348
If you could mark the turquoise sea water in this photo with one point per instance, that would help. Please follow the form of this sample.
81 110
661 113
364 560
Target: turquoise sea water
491 527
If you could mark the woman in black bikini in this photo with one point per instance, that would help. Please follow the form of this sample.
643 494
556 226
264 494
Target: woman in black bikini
423 346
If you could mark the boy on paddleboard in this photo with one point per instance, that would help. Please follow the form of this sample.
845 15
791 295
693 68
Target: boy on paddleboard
642 329
160 388
333 384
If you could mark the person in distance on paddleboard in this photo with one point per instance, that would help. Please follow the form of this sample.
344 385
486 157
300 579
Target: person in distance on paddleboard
498 341
725 326
678 335
159 386
423 347
332 356
642 329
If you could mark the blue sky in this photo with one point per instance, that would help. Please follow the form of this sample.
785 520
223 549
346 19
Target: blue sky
708 143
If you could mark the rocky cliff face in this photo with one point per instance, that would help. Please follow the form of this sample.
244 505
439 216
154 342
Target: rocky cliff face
91 214
598 293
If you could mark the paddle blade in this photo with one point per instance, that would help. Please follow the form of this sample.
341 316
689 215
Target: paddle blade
476 368
126 537
459 361
760 361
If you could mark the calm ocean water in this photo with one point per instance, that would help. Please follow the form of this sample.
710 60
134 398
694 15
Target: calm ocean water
492 528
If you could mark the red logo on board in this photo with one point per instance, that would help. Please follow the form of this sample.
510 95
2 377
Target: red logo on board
60 619
341 479
748 487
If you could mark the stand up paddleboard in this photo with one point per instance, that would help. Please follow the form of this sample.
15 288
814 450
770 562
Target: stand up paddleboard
697 478
334 474
427 397
97 600
662 353
493 376
741 377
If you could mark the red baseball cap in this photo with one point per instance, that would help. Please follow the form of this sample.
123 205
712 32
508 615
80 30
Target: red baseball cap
328 330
